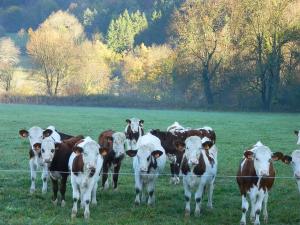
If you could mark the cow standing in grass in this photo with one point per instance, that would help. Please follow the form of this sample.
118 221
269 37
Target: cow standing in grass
255 177
294 161
56 155
35 136
112 143
199 168
149 160
85 165
297 133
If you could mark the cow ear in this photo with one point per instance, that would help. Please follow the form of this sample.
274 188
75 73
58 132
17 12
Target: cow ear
131 153
141 122
109 139
207 145
179 145
128 121
156 153
277 156
296 132
77 150
47 133
23 133
287 159
248 154
103 151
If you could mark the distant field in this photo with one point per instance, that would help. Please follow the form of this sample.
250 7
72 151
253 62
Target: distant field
235 132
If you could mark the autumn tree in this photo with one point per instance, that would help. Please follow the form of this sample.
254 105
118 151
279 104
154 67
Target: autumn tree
264 32
9 58
122 31
200 33
52 48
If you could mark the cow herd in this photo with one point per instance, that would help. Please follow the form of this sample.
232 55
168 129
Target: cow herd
192 153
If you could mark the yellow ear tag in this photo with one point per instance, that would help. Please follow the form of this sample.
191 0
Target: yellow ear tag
104 153
156 155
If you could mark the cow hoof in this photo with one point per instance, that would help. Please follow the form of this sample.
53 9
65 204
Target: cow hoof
115 189
44 191
266 219
86 215
209 206
32 190
177 180
252 219
73 215
94 202
54 202
63 203
187 213
242 223
197 213
257 223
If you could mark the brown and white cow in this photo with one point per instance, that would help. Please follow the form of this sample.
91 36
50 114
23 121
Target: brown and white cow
255 177
199 168
173 142
85 165
294 161
114 144
35 137
56 155
133 131
297 133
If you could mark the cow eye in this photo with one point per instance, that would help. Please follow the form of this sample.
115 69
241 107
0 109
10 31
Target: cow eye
43 150
148 158
52 150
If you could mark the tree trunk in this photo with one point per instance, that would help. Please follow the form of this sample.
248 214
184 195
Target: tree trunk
207 86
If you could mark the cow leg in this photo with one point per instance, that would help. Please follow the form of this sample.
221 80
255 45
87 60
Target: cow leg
63 189
259 201
94 193
172 167
177 171
116 175
245 206
210 194
45 178
253 199
198 197
33 168
87 199
55 190
76 195
265 212
150 190
105 183
187 195
298 184
138 189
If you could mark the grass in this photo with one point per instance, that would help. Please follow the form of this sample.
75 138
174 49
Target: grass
235 132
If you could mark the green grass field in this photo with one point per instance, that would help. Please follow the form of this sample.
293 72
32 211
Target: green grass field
235 132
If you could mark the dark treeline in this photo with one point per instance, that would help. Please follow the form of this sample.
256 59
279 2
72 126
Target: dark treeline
218 54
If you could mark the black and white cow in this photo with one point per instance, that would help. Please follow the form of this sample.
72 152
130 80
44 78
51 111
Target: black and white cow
133 131
199 168
148 162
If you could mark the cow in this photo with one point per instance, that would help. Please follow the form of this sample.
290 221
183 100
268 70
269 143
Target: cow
199 168
133 131
112 143
298 135
56 155
294 160
35 136
255 177
85 165
148 162
173 143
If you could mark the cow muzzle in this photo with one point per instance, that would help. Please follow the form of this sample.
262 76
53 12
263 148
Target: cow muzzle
37 147
264 173
92 171
47 161
193 162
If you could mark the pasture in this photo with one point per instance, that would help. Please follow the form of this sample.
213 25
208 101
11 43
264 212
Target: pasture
235 132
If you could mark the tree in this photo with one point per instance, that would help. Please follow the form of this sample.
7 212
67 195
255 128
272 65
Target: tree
52 48
9 58
122 31
200 34
265 29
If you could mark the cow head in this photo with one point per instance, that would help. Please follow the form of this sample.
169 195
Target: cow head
193 147
89 149
297 133
35 136
133 131
118 139
262 157
294 160
146 155
48 148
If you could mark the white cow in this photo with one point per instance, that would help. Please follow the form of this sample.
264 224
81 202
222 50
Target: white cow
85 165
199 168
297 133
35 136
294 160
149 160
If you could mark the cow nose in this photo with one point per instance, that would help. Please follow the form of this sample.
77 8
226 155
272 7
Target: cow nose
194 161
144 169
264 173
47 160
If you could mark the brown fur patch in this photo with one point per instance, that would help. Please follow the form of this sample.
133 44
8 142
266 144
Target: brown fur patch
77 164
